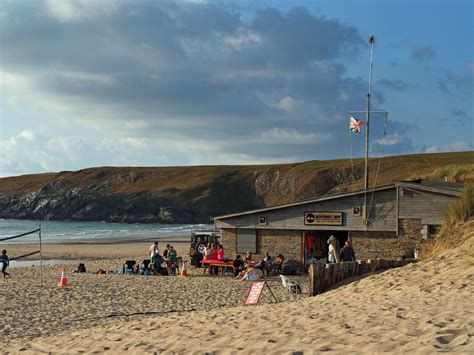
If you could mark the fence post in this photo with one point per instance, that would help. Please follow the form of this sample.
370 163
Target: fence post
312 290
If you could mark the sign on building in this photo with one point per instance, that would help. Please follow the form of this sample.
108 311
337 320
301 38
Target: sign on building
323 218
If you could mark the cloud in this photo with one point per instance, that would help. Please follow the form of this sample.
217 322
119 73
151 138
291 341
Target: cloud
461 116
456 84
395 84
453 146
292 136
168 83
458 146
419 52
422 53
74 10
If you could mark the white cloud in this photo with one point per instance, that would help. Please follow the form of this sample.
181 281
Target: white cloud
431 149
458 146
243 38
287 103
389 139
291 136
72 10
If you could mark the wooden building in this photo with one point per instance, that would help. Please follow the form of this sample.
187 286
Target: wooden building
400 216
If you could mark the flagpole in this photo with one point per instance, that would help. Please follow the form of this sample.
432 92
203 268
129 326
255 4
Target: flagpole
367 121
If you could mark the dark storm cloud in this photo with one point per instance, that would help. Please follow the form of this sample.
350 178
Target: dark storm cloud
193 70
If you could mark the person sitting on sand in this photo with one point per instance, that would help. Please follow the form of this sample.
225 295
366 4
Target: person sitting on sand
248 256
268 258
238 265
250 274
5 263
80 268
278 263
260 265
158 263
154 250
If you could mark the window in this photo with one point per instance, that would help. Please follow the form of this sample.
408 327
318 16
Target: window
246 240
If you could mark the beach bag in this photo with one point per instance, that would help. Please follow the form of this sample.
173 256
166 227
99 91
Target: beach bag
251 277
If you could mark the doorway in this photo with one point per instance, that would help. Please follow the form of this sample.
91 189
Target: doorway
316 246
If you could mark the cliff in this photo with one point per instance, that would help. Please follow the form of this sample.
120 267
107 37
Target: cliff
194 194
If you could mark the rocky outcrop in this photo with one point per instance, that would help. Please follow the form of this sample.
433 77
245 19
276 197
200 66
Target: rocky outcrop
194 194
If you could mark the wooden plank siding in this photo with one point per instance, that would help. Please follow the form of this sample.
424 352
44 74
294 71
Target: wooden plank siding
383 215
422 204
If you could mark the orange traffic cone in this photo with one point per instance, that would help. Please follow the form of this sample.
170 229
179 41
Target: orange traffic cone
63 281
184 271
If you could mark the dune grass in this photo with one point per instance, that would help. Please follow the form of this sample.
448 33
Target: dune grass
461 209
458 225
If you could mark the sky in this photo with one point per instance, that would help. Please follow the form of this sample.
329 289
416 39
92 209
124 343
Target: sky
87 83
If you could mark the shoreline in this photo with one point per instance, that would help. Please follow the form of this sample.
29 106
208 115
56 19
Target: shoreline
98 249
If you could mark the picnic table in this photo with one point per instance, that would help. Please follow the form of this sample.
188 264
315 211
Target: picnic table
220 264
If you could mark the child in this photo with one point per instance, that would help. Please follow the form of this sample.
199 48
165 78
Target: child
5 263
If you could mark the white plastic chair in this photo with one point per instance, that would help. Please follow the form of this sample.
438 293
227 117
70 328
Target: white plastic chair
291 286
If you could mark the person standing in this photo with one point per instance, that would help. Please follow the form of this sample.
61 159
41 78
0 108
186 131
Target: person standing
208 252
347 253
154 250
166 251
220 252
333 252
5 264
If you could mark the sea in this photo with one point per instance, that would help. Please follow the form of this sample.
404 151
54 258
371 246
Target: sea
89 232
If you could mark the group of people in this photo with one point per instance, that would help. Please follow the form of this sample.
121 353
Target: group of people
248 269
214 252
163 263
336 255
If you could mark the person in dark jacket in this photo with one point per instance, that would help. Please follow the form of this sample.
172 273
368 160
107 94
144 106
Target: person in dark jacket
5 263
238 265
347 253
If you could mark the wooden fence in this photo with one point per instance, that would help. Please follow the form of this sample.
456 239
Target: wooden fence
323 276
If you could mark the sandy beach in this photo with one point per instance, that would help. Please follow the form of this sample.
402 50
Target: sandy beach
423 307
95 251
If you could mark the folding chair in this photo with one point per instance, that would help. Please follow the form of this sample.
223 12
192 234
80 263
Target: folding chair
128 267
291 286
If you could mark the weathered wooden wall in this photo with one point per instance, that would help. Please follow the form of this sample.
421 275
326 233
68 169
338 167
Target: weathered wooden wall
322 277
383 215
422 204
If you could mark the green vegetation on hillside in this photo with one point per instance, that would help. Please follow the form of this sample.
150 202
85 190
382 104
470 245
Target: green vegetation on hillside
196 193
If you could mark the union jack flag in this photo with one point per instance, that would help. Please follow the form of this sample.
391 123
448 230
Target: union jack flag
355 125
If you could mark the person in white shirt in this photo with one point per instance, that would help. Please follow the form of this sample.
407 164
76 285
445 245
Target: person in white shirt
333 252
154 250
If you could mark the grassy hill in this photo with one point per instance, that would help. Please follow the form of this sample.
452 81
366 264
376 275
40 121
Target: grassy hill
193 194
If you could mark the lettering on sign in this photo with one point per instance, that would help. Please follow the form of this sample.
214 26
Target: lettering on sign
255 292
323 218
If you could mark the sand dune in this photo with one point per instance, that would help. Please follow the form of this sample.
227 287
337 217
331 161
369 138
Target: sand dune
422 307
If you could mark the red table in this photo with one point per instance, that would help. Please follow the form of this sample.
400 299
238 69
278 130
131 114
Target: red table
219 263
